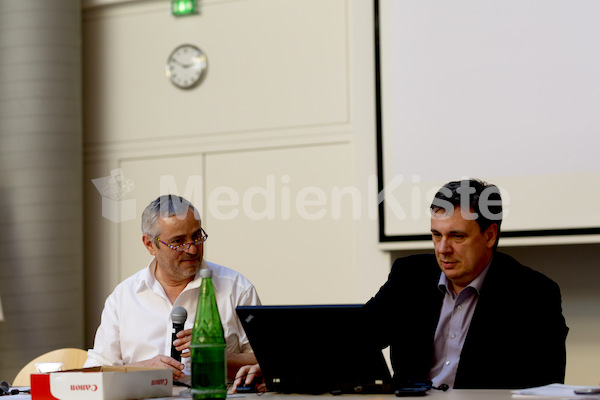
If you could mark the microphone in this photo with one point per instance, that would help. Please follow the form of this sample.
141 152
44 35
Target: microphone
178 316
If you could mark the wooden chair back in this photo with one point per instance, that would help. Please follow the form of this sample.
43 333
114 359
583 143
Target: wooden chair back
71 358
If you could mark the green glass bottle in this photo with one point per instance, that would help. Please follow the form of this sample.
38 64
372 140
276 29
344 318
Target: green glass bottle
209 369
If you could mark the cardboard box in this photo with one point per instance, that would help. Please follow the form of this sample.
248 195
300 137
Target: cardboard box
102 383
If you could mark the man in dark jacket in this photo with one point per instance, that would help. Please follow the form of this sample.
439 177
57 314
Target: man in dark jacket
485 321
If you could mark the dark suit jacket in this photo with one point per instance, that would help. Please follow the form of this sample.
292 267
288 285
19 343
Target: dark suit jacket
517 334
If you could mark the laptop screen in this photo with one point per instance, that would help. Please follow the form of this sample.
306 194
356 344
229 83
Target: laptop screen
314 349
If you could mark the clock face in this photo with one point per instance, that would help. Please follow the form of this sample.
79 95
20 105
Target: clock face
186 66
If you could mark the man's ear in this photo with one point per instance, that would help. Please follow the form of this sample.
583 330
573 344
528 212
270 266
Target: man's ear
491 234
149 243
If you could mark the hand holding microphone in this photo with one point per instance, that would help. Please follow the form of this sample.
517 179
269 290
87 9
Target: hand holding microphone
178 316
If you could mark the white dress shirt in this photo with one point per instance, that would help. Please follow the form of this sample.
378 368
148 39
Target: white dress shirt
136 321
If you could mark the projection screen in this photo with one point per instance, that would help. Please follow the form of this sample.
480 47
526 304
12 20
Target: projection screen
507 91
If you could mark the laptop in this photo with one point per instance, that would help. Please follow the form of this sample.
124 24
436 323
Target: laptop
315 349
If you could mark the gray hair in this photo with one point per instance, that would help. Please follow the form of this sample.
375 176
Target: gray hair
165 206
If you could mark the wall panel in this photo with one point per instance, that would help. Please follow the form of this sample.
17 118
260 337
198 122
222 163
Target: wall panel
273 215
271 65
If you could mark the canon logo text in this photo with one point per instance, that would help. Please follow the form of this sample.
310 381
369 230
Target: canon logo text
84 388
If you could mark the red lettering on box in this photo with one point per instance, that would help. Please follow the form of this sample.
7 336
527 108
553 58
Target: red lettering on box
84 388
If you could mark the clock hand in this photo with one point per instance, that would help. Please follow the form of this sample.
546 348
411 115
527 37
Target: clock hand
180 63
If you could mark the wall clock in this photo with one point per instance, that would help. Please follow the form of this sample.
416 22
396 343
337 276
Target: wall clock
186 66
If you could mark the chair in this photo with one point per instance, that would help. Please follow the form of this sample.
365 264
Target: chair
71 358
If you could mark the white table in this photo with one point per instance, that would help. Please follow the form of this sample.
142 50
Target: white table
458 394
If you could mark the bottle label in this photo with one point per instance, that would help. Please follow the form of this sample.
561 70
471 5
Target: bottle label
204 392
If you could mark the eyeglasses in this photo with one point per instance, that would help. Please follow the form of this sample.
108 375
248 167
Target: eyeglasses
186 246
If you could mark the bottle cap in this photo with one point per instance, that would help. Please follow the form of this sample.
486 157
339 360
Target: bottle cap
206 273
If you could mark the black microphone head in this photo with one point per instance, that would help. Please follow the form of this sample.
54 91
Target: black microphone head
178 315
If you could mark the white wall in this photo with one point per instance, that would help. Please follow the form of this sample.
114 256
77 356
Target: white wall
283 112
287 108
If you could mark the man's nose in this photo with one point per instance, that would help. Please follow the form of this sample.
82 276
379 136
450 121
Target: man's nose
192 248
444 246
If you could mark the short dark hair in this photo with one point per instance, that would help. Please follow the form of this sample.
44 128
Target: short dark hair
483 199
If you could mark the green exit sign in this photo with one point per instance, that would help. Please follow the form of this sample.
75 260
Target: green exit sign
184 7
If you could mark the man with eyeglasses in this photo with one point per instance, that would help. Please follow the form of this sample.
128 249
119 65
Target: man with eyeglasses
136 327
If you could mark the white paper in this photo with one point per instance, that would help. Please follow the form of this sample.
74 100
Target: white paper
555 390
